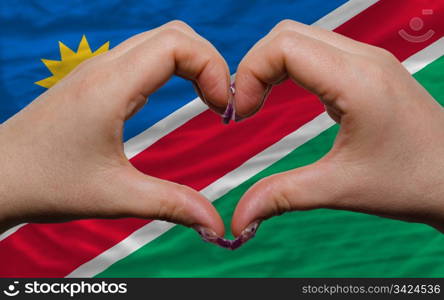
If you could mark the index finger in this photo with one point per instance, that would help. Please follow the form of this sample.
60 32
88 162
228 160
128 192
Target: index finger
146 62
314 64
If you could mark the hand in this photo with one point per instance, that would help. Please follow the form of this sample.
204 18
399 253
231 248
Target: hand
62 156
388 158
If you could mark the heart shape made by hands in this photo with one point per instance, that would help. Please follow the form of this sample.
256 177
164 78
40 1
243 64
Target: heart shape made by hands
249 232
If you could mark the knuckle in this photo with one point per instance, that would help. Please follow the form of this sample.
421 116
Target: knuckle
170 37
379 72
276 188
90 65
168 212
286 39
88 76
372 68
177 209
284 25
379 75
282 203
83 66
385 55
178 24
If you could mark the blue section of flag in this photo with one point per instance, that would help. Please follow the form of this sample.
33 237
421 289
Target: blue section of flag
30 30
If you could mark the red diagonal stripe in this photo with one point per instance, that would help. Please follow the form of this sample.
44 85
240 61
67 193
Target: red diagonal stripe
203 150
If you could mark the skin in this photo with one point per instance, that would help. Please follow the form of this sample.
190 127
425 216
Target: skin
388 158
62 156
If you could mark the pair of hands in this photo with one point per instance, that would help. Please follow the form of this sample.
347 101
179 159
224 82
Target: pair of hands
62 156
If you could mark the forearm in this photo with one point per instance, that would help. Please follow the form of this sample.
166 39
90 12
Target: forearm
11 187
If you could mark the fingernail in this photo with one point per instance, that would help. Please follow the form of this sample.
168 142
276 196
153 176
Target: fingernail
207 234
232 88
230 111
238 118
210 236
236 244
247 234
228 114
224 243
266 93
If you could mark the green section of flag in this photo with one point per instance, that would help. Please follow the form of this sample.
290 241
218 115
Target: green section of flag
319 243
432 78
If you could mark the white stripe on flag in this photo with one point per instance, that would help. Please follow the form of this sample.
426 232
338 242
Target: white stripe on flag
10 231
151 135
421 59
343 13
251 167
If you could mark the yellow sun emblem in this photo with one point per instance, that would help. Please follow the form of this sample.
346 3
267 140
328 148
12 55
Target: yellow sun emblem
69 60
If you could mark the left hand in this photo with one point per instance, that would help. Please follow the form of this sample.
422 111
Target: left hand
388 158
62 156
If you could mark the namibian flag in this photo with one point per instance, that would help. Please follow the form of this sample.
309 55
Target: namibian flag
176 137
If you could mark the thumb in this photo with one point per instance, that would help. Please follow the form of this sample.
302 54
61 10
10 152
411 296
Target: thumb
310 187
134 194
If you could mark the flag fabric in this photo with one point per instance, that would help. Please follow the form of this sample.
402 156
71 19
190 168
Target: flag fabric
171 136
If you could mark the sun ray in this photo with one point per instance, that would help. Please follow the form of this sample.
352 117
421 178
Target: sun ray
68 61
65 51
47 82
102 49
52 65
84 46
